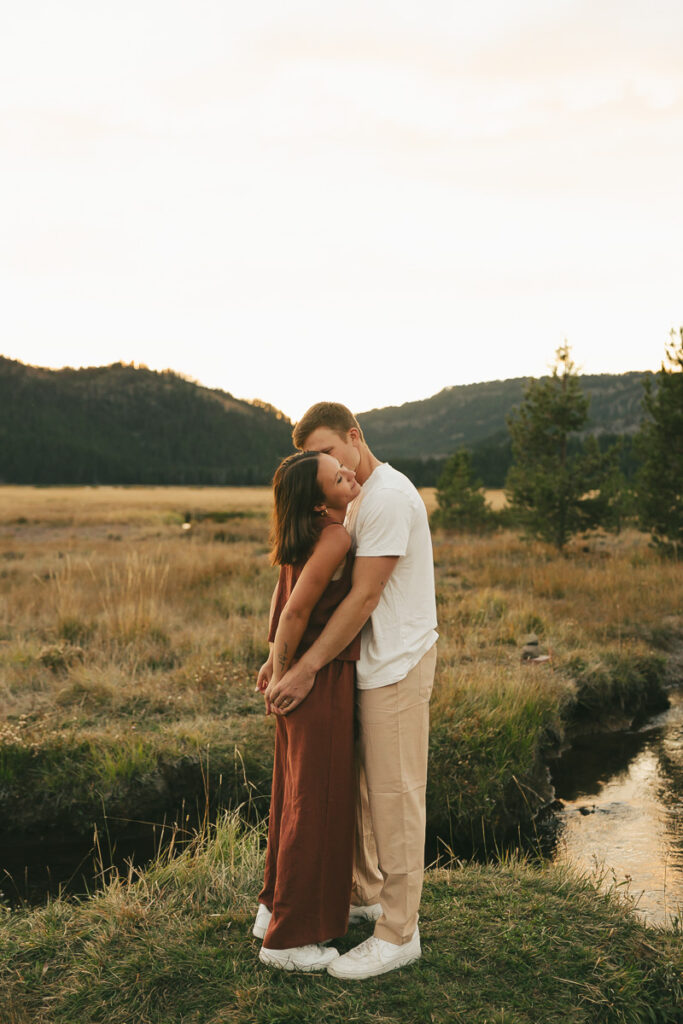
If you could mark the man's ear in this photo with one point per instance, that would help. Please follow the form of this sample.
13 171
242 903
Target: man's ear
353 434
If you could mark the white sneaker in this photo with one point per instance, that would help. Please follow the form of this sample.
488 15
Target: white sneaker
298 958
375 956
263 916
371 913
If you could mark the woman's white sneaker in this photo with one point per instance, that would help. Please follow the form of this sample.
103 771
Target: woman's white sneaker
263 916
299 958
375 956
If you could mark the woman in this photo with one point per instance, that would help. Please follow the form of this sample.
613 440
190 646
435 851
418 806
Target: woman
306 891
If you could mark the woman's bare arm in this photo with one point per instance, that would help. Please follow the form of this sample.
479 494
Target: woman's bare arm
329 552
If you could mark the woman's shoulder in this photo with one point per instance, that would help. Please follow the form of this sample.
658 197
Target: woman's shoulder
334 534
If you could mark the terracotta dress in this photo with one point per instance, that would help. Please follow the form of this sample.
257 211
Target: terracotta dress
309 861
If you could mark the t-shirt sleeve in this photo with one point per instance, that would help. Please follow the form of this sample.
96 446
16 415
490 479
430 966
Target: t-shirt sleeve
384 526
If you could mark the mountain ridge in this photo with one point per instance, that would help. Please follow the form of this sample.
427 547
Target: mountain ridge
447 420
126 424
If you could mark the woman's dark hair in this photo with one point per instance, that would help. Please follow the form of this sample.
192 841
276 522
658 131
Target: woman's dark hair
296 490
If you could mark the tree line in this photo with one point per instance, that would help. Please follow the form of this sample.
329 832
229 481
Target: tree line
124 424
558 484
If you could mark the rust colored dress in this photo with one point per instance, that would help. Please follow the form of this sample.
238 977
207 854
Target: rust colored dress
309 862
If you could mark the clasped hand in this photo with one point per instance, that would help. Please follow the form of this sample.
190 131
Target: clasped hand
285 694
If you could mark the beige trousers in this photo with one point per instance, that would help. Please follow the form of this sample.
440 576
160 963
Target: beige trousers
391 771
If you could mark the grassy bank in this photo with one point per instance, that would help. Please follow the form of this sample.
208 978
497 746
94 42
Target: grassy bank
129 646
506 944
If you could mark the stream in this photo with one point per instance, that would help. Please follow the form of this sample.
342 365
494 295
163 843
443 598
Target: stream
623 810
621 815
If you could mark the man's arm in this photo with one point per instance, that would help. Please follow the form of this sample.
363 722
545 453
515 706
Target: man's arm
370 576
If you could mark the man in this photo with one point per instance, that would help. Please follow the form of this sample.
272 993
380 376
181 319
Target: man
392 599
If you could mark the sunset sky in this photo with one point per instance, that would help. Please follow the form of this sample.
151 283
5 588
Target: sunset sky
364 202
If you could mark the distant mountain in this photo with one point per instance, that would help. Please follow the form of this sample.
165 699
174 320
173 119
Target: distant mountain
473 414
125 424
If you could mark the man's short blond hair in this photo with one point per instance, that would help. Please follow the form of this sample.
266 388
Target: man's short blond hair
325 414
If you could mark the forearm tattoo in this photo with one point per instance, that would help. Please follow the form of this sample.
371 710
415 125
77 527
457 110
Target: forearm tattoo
283 659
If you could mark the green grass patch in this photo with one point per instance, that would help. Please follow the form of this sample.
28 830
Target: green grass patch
78 779
502 944
486 773
626 682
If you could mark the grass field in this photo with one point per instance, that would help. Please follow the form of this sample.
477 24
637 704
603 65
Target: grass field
132 625
502 944
129 646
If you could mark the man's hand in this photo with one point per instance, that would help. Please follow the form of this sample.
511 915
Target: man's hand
291 689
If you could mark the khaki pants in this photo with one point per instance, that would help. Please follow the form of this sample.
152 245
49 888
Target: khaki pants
391 760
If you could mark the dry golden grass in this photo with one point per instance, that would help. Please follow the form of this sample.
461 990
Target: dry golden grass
81 506
107 622
113 617
76 506
603 589
136 609
495 499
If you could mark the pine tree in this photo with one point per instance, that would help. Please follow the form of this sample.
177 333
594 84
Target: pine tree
461 502
660 444
552 493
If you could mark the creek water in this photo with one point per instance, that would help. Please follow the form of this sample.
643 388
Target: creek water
56 862
622 814
623 810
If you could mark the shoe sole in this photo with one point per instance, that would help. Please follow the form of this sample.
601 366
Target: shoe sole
289 965
393 966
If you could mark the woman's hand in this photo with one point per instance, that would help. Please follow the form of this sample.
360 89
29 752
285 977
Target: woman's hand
264 677
265 674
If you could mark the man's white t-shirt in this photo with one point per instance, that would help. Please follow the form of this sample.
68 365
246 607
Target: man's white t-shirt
389 518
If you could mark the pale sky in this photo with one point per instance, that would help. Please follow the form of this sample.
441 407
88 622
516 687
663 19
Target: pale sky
363 202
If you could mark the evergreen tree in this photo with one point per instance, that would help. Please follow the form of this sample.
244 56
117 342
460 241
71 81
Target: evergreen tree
555 492
660 444
461 502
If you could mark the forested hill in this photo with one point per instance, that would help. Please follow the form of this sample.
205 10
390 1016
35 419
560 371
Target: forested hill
124 424
418 436
467 415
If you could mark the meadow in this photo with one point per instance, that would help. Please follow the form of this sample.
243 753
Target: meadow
133 623
132 626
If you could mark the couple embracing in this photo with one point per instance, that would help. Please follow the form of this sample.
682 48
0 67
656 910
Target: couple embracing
352 640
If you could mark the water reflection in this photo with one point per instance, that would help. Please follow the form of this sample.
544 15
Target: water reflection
623 797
